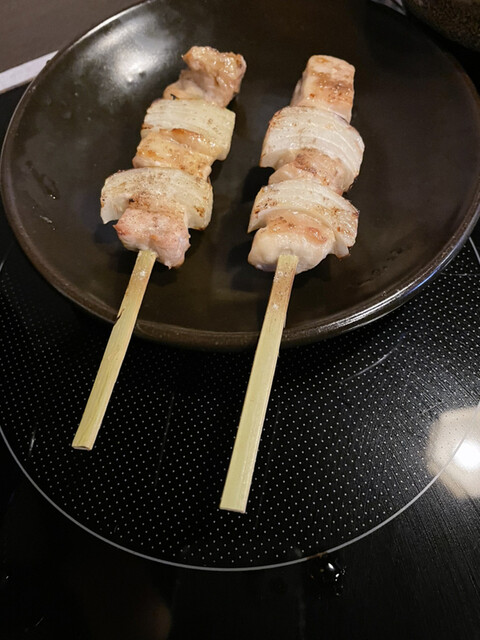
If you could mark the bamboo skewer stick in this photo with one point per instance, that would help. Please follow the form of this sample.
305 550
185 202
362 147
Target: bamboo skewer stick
242 463
114 353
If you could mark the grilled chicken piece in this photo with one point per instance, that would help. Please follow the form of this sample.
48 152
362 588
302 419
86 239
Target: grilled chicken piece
155 208
308 197
326 83
211 75
292 130
157 149
315 165
291 233
163 231
205 127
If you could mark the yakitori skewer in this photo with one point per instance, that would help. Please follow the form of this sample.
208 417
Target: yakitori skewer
167 193
300 217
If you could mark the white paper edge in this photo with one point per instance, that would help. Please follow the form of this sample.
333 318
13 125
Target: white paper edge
16 76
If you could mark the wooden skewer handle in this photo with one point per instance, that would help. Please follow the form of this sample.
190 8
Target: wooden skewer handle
242 463
114 353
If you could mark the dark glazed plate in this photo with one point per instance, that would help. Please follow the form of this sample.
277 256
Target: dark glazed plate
418 190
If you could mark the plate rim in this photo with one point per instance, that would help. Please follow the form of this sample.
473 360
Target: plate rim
215 340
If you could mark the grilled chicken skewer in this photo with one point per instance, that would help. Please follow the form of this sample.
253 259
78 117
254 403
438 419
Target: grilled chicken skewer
167 193
300 217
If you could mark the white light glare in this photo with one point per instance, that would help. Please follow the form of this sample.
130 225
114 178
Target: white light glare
468 456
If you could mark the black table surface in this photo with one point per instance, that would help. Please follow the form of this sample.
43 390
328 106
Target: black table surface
416 577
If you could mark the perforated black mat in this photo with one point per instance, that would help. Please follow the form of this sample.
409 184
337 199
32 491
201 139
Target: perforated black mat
344 446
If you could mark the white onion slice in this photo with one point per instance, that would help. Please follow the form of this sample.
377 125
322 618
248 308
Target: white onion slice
152 189
293 129
211 124
308 196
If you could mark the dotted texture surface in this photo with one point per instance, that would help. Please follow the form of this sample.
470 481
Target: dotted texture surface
344 445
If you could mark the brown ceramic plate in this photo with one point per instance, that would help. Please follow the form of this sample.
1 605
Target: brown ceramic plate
418 190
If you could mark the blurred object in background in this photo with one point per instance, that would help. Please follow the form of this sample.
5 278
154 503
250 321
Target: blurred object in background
461 476
393 4
458 20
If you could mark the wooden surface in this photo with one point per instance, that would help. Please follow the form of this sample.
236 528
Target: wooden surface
32 28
